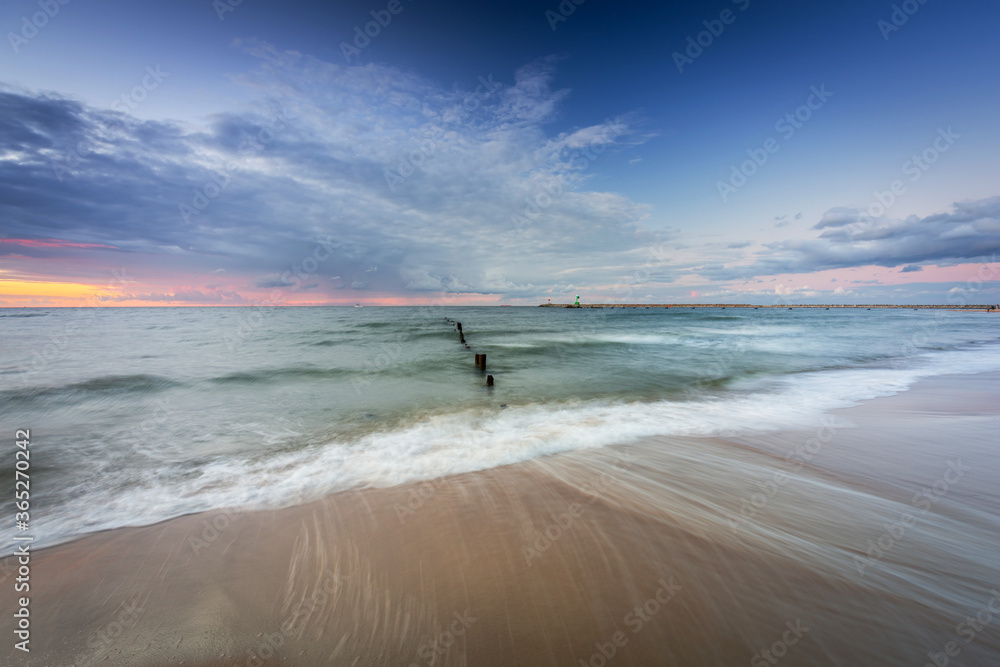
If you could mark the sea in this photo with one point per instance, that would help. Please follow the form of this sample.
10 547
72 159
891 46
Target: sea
137 415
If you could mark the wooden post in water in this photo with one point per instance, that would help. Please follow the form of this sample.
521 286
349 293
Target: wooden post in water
482 361
477 360
489 380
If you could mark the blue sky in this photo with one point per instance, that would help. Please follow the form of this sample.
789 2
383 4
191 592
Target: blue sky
237 154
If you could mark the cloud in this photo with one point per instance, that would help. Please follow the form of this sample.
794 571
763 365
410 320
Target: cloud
840 216
255 191
969 233
181 296
787 290
910 268
274 281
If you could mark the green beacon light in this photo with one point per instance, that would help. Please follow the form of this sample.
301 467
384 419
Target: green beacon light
577 300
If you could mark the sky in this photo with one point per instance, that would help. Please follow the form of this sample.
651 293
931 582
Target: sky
392 152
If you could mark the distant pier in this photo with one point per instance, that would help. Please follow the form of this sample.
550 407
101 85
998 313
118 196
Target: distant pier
826 306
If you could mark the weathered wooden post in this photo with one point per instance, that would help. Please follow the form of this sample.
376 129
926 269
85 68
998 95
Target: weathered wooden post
489 380
482 361
477 360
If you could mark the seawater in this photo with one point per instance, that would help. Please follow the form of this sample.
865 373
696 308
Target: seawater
143 414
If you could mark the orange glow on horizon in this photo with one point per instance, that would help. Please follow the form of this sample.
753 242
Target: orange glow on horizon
43 292
22 288
51 294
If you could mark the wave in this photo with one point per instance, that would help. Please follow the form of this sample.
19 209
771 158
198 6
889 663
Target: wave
100 386
281 374
480 438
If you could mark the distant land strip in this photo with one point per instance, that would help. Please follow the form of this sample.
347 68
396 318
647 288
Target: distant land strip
750 305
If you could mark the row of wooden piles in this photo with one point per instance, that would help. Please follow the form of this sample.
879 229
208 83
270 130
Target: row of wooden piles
480 358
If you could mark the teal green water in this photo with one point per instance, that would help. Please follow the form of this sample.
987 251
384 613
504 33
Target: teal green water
139 415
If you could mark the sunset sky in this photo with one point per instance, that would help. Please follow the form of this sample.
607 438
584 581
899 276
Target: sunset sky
248 152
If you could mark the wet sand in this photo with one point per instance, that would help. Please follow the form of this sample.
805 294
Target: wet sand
680 551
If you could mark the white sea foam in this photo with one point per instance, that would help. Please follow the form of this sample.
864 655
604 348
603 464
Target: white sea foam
471 440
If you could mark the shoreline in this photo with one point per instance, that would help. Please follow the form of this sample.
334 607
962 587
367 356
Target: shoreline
629 550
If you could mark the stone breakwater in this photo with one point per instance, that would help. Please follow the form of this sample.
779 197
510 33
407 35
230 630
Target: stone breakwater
868 306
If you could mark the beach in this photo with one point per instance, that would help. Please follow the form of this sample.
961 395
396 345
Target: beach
499 334
655 552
